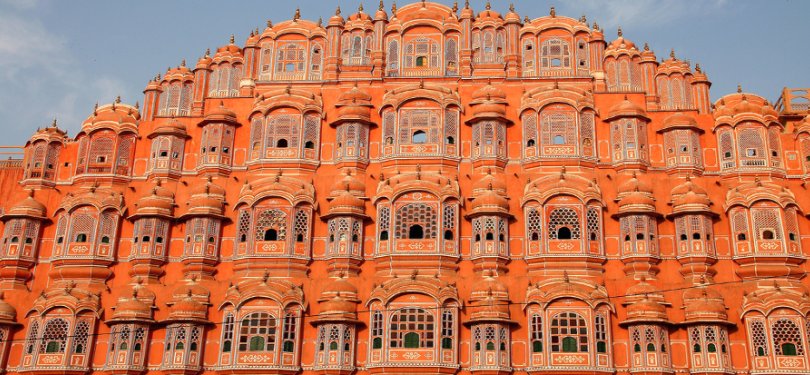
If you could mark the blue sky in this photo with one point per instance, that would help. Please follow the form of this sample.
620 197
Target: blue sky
58 58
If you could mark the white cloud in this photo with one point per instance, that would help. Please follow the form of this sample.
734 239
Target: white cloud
647 13
41 79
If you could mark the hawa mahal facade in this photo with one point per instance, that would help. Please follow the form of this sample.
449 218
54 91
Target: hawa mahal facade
416 190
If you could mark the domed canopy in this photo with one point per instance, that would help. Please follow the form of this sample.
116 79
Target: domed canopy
489 301
621 46
8 314
488 203
189 304
689 197
635 197
220 114
158 202
645 310
116 116
338 303
680 120
704 306
354 105
735 108
26 208
48 134
206 199
346 203
132 308
170 127
488 102
626 108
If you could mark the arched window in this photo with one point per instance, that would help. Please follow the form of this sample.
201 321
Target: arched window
257 332
569 333
555 54
787 338
412 328
564 221
416 221
54 336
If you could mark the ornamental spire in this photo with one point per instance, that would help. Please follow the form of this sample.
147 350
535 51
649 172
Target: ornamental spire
297 15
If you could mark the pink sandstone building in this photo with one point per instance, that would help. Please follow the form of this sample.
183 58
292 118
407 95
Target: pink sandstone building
415 190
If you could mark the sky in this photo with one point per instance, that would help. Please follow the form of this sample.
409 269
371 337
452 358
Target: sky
59 57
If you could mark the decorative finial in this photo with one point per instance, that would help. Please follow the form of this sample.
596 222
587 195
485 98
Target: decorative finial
53 124
297 15
488 6
320 21
269 24
360 8
525 19
739 88
455 7
672 53
137 105
232 39
394 8
207 54
646 46
697 68
553 12
595 26
511 7
118 99
466 4
382 6
95 109
337 11
424 5
183 62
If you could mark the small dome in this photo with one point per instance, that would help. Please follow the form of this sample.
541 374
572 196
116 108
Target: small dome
679 120
346 203
8 314
116 113
188 309
512 16
626 108
171 127
646 309
131 309
158 202
490 201
28 207
204 61
220 114
206 199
